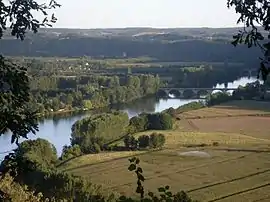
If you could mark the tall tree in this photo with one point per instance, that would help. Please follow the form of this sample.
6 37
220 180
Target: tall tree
16 17
254 14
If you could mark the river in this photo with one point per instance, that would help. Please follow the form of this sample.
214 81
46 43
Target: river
58 130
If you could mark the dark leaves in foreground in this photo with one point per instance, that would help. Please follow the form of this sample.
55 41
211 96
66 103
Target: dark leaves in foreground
15 116
19 13
254 14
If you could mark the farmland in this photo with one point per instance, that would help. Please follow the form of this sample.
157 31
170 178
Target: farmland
237 167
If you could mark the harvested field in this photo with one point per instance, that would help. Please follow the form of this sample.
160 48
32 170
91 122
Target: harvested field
175 139
230 109
258 127
204 178
236 169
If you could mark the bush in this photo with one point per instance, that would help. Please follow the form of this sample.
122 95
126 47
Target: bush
184 108
13 191
71 152
63 186
218 98
31 155
144 141
93 145
96 148
160 121
156 121
215 144
138 123
157 140
130 142
99 129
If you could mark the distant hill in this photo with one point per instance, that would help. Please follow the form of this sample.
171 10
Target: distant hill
176 44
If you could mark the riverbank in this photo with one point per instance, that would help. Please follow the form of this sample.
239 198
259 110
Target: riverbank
57 129
71 112
208 156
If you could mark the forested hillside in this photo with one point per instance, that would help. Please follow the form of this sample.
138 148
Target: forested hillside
186 45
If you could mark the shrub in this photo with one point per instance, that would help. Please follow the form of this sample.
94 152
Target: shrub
138 123
156 121
160 121
130 142
218 98
13 191
99 129
184 108
215 144
96 148
71 152
144 141
31 155
157 140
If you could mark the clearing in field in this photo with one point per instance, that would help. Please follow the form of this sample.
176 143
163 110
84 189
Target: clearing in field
235 165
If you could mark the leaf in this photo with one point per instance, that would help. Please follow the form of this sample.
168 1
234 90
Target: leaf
137 161
132 159
141 177
151 194
167 187
169 200
163 196
13 137
132 167
139 189
123 198
169 194
139 170
161 189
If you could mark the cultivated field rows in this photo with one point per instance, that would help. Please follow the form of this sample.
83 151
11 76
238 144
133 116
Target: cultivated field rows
238 168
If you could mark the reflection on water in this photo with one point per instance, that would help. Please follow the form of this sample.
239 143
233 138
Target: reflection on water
57 130
151 105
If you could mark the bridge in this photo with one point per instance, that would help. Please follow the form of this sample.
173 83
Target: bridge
191 92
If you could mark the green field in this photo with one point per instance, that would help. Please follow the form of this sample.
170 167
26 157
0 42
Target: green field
238 169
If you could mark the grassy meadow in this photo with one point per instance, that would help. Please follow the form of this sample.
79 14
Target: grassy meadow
237 168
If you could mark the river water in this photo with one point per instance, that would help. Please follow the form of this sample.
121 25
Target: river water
58 131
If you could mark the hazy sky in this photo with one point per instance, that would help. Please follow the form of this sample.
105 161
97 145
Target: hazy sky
144 13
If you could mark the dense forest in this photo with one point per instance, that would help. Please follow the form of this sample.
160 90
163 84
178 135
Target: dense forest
50 94
62 84
193 45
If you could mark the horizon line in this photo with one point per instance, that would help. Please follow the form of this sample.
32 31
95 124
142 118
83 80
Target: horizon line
144 27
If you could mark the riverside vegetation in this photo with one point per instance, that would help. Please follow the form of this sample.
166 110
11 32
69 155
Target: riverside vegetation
98 133
45 174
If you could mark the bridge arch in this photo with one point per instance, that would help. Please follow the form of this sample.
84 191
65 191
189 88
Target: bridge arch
175 93
203 93
162 93
230 92
189 93
217 91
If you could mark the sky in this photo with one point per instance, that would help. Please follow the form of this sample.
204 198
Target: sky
87 14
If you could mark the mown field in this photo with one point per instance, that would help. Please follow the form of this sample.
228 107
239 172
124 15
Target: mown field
238 169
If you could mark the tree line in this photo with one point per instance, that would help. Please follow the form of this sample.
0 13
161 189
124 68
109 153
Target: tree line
250 91
51 94
75 46
98 132
36 161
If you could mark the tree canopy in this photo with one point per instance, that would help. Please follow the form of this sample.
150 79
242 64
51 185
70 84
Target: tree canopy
254 14
17 17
